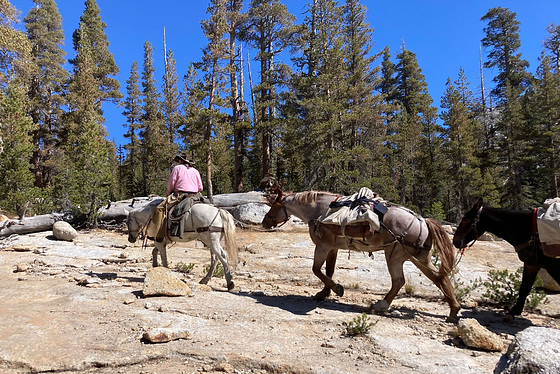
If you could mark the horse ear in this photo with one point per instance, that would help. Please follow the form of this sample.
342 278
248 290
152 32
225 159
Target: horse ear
479 203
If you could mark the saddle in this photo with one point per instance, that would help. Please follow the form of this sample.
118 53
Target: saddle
178 217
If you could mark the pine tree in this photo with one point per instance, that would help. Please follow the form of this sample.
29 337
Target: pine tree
157 156
132 164
15 49
214 56
462 140
512 131
269 29
94 38
543 110
239 116
171 101
84 176
44 30
414 137
16 189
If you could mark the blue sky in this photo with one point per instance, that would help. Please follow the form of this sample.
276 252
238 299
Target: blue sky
444 34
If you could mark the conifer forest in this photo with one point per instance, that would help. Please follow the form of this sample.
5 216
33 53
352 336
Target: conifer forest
325 111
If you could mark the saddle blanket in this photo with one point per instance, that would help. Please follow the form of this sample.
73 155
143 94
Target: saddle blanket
354 210
548 226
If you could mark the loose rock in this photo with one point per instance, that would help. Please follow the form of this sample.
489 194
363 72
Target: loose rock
476 336
162 282
64 231
164 335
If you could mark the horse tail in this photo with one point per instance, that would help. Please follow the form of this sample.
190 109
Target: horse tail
443 245
230 238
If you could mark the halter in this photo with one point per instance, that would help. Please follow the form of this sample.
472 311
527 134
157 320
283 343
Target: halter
276 203
474 226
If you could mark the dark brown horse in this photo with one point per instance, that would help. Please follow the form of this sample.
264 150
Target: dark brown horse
518 228
405 236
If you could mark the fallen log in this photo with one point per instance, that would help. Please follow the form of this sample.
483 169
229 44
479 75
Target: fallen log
33 224
116 212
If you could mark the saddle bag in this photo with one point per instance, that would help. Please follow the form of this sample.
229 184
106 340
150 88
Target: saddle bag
548 227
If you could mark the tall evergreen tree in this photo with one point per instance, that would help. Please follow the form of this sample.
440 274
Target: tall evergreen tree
239 116
414 137
94 38
84 176
44 29
15 48
462 141
512 132
171 101
543 110
213 59
132 164
270 29
16 188
157 154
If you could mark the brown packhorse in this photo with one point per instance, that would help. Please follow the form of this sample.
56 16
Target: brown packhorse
404 235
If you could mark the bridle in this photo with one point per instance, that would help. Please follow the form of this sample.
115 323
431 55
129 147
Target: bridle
275 206
474 227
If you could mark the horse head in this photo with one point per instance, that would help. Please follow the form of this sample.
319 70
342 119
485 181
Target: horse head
468 230
132 226
277 213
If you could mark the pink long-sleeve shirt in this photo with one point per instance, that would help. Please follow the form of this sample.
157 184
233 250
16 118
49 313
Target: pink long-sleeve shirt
184 178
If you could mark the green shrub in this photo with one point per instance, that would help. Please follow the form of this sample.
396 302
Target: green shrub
218 272
184 268
502 289
360 325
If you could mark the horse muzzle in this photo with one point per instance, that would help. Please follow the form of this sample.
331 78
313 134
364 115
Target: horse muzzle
132 238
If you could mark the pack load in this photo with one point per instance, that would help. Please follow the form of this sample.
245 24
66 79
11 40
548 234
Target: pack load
357 215
548 226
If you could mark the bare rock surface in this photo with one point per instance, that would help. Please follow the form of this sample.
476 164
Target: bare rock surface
78 307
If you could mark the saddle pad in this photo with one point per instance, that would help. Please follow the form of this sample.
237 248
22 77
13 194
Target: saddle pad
548 221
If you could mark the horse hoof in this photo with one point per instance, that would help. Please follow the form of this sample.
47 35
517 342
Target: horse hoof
230 286
322 295
452 319
508 318
339 290
381 306
204 281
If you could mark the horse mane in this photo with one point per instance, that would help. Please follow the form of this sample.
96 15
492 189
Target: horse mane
308 197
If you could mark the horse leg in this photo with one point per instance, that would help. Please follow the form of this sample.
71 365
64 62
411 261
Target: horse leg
154 256
529 275
322 255
213 263
218 251
443 283
395 263
163 252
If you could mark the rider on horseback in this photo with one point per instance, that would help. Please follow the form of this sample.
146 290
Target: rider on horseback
184 182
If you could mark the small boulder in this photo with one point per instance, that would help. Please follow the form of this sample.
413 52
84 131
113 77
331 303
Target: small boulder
161 281
476 336
250 213
534 350
64 231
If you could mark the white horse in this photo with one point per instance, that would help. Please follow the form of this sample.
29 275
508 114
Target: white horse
209 225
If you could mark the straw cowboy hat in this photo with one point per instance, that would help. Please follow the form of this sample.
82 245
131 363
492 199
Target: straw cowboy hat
183 157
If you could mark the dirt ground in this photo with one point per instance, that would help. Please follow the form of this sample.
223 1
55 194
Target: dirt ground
77 307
